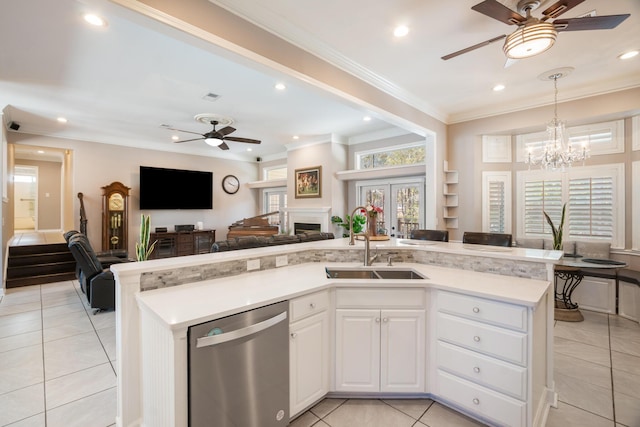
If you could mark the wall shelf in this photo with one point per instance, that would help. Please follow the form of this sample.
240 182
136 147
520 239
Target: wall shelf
450 193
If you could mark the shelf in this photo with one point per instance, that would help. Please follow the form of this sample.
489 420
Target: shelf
450 197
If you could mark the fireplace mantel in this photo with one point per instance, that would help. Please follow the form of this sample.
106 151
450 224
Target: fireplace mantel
319 215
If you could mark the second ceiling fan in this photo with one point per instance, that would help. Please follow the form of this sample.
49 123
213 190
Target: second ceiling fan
217 138
535 35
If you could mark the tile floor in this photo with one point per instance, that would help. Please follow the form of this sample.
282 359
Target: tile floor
57 368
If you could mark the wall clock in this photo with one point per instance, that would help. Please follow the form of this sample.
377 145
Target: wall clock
230 184
115 216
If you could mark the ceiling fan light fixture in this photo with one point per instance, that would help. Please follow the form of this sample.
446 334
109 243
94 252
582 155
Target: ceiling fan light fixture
529 40
214 142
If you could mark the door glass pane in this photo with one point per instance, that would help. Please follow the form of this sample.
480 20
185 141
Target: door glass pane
406 206
375 195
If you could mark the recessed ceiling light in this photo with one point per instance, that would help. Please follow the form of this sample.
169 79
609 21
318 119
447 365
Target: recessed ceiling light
175 137
401 31
249 149
62 120
40 152
95 20
366 118
296 137
280 86
498 88
629 54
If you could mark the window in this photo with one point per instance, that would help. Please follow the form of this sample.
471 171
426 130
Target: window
594 197
275 172
275 199
496 202
602 138
391 156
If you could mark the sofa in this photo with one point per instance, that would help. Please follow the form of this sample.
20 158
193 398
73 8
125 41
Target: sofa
247 242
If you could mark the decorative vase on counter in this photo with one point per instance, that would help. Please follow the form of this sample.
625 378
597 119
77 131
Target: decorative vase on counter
372 223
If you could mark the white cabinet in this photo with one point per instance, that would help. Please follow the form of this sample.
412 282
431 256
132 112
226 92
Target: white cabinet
380 349
308 350
485 361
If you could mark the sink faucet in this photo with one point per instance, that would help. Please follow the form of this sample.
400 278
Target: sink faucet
368 260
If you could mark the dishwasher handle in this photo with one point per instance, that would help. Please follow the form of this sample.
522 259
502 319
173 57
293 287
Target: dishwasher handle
240 333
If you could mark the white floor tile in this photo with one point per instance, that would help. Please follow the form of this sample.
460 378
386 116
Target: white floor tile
415 408
108 339
440 415
570 416
28 316
16 328
581 351
584 395
20 340
35 421
77 385
367 413
627 410
20 368
66 325
72 354
61 309
97 410
625 362
21 404
581 369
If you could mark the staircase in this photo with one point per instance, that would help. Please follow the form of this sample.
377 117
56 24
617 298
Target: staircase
38 264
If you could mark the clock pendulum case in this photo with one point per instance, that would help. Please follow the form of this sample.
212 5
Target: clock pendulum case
115 211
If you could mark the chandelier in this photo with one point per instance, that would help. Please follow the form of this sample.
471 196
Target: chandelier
557 152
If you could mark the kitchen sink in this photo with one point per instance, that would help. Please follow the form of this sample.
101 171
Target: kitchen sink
355 273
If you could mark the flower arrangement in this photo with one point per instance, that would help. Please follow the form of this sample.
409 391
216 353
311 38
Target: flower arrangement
372 210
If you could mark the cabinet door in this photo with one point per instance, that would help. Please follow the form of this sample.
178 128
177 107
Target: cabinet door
402 351
309 361
358 350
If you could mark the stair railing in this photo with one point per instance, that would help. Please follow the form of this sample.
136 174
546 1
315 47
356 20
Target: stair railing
83 216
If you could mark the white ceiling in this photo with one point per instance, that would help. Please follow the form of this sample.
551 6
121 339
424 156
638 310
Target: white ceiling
119 85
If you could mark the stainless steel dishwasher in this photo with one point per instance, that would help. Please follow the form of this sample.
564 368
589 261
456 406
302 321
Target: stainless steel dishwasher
239 370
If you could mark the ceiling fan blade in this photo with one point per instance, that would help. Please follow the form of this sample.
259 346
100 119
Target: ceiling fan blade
180 130
247 140
605 22
474 47
223 146
559 7
189 140
498 11
226 130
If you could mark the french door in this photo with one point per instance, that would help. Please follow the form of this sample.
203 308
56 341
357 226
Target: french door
402 202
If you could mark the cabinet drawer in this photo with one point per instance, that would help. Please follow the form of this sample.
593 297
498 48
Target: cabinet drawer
500 409
380 298
498 375
483 310
497 342
308 305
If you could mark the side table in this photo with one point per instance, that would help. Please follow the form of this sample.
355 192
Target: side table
566 280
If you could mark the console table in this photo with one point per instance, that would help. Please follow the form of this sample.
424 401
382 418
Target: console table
181 243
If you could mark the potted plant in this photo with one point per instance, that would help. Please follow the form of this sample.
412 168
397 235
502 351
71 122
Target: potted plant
143 248
557 232
358 223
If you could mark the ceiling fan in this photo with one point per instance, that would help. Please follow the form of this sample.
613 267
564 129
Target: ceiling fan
535 35
217 138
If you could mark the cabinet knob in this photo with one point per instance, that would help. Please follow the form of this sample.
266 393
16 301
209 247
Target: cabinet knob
476 310
312 305
476 370
293 335
377 320
385 319
476 401
476 338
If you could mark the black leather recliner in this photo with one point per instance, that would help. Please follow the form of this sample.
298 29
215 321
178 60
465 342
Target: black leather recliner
434 235
96 281
492 239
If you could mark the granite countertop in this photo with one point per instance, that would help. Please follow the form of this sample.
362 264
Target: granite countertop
181 306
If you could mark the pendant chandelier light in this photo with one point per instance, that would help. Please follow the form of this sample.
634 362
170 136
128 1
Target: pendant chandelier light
557 152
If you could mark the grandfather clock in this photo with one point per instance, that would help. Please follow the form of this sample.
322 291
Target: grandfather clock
115 210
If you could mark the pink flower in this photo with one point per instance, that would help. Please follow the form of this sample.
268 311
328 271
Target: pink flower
371 209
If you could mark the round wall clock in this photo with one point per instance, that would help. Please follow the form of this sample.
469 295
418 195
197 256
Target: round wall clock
230 184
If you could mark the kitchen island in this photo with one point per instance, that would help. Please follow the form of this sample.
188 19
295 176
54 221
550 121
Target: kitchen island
200 288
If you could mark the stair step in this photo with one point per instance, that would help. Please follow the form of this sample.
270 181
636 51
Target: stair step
14 272
38 249
39 280
22 260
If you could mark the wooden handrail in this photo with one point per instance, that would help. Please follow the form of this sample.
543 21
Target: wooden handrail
83 216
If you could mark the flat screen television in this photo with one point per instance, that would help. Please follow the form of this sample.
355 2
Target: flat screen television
175 189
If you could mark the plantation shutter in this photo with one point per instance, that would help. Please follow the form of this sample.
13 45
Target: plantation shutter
496 207
542 196
591 207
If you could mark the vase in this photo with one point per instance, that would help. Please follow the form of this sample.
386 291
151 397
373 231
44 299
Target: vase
372 224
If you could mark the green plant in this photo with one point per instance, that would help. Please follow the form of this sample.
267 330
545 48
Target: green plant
557 232
358 223
143 249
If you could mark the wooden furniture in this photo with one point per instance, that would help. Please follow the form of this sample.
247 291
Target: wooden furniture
254 226
115 212
181 243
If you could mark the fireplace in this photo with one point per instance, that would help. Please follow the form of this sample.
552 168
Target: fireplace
301 227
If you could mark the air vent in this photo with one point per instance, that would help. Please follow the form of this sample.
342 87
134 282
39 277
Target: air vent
211 97
588 14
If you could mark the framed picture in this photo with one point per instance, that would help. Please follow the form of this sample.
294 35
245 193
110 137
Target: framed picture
309 182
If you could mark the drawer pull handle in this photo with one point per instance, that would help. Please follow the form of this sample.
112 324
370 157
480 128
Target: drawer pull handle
312 305
293 335
476 401
476 338
476 370
476 310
